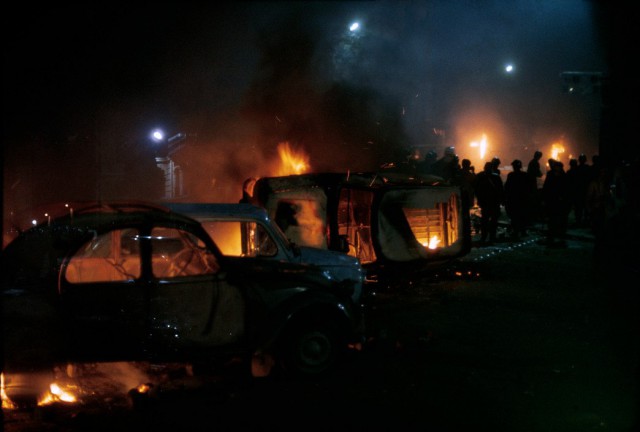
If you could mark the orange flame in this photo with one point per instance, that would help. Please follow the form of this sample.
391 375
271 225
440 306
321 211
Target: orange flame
6 402
58 393
556 150
433 242
291 161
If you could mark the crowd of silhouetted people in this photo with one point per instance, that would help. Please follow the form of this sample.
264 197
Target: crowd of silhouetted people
543 197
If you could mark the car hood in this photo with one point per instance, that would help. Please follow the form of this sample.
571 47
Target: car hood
337 265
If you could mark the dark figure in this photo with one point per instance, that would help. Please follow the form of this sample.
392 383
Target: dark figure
596 165
468 183
448 166
490 196
582 184
425 166
572 184
555 196
517 198
495 165
534 171
577 184
598 201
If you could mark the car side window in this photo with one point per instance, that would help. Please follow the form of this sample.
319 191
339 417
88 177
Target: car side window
177 253
263 243
241 238
109 257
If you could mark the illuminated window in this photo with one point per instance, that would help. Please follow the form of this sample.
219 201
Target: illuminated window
113 256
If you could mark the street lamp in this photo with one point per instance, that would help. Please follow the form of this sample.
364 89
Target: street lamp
157 135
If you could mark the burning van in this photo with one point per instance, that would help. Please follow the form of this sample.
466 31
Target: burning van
395 224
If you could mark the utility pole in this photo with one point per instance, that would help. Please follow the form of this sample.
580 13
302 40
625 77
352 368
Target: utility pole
173 180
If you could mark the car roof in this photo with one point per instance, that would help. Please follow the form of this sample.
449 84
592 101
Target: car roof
103 214
52 240
230 211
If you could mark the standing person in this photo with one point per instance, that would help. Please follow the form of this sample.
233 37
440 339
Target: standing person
573 187
490 195
583 180
556 203
425 166
599 202
448 166
517 198
468 183
534 171
495 165
533 168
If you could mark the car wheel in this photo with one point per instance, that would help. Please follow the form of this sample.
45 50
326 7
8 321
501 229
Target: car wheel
310 349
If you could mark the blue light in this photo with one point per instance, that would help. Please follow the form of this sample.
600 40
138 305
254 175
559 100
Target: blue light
157 135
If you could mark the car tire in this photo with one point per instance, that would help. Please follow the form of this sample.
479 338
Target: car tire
310 349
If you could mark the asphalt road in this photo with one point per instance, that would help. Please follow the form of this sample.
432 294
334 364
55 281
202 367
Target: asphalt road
514 337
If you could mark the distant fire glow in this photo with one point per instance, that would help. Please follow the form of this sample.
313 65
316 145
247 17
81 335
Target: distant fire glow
481 145
557 149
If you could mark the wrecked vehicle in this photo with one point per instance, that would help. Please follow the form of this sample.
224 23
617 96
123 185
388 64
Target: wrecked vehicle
244 231
395 224
136 282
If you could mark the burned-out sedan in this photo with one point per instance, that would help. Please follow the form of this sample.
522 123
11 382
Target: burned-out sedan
134 282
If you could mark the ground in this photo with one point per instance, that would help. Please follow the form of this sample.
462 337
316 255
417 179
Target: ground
513 337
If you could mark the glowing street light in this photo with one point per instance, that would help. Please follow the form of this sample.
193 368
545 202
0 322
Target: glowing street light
157 135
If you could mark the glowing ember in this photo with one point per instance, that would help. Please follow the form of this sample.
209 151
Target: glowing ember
143 388
291 161
57 394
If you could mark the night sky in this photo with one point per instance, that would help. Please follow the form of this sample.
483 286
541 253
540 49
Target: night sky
85 84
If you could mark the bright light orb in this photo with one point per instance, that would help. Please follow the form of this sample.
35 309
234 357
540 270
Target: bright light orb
355 26
509 68
157 135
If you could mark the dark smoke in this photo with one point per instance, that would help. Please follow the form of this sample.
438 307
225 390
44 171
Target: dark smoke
85 85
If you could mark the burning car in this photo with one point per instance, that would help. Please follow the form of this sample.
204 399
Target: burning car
395 224
245 231
136 282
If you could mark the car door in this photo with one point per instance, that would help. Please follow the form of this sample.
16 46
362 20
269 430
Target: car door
192 310
103 298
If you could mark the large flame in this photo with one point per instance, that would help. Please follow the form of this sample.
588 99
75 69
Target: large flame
291 161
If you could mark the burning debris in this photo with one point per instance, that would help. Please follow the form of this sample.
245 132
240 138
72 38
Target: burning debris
90 383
